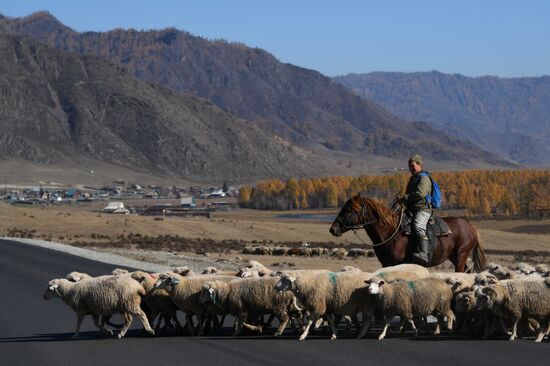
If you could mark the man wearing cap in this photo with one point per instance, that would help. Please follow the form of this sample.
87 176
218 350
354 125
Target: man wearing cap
417 207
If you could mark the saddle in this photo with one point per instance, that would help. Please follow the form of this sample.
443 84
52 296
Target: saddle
436 228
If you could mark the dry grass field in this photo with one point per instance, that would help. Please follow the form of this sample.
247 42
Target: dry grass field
145 237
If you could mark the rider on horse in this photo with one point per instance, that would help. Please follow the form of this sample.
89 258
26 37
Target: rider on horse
417 207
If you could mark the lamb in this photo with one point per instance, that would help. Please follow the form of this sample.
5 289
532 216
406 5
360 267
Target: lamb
420 271
516 299
185 292
102 296
412 299
158 301
323 292
243 297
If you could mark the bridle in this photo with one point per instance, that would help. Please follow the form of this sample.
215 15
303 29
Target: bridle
345 224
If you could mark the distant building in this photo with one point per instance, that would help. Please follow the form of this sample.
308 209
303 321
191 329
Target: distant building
187 202
116 207
217 193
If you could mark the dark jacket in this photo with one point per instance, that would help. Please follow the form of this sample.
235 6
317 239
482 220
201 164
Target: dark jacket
418 188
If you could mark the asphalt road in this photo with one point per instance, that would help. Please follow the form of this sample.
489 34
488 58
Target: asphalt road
36 332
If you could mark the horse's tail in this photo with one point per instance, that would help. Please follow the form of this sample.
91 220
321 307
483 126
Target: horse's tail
480 261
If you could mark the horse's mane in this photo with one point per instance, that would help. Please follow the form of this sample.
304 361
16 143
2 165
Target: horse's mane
384 214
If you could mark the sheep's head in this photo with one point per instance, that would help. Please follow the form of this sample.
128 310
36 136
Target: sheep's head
465 302
374 284
143 277
119 271
166 281
52 290
286 283
488 297
208 293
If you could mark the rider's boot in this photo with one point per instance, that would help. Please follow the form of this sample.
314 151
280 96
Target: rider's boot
421 256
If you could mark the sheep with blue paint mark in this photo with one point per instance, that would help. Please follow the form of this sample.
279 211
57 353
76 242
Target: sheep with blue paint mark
412 299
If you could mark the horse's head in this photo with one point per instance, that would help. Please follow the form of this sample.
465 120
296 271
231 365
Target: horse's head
351 216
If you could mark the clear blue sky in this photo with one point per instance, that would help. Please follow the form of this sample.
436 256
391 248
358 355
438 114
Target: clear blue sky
483 37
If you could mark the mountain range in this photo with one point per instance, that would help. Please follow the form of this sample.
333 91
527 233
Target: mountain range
509 116
173 103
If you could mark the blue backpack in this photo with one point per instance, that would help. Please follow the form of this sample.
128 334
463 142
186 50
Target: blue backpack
434 199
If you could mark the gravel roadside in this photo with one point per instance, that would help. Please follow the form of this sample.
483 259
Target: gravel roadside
147 260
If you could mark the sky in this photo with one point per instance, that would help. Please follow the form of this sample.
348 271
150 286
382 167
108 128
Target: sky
473 38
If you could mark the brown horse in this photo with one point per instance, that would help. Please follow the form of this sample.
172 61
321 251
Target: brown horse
391 246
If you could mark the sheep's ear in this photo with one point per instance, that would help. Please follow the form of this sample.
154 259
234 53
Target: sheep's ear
211 290
381 282
292 279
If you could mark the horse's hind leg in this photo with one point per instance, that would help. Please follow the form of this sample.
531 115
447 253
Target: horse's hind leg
459 260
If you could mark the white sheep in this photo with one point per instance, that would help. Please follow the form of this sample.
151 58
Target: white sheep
517 299
101 296
412 299
249 296
321 292
158 300
185 291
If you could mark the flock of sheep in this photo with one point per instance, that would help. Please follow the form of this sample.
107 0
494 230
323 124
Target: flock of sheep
513 301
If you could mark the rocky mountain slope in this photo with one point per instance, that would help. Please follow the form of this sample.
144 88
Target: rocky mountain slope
57 106
507 115
299 105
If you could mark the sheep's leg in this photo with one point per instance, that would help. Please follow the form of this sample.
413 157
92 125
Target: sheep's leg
101 326
383 334
450 319
437 330
541 334
366 325
319 322
503 326
402 324
241 318
356 323
489 326
141 316
283 321
154 315
514 330
415 331
127 321
272 316
190 326
79 317
174 316
330 318
310 321
200 324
